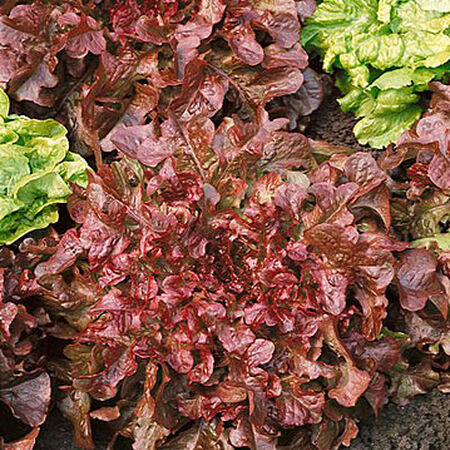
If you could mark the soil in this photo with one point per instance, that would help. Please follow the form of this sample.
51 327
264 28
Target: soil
329 123
424 424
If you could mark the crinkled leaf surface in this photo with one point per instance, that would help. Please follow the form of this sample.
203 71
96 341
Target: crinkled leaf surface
35 171
388 51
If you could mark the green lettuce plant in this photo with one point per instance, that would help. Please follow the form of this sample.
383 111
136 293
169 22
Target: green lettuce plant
36 169
388 51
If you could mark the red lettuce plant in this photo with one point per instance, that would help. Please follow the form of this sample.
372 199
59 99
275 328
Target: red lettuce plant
24 381
421 211
111 64
45 47
429 185
241 305
227 284
222 297
252 46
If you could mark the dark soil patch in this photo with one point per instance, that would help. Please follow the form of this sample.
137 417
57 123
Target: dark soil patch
329 123
424 424
56 433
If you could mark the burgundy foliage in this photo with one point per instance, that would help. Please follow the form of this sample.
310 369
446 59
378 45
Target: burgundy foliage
420 171
43 43
24 381
428 177
219 287
225 282
106 65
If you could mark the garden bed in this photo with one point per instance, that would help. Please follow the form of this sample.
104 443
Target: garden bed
234 270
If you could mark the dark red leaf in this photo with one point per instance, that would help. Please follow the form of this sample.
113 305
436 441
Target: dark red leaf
29 399
296 407
417 279
106 414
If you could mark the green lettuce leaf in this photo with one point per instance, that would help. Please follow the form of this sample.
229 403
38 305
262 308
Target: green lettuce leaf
13 168
17 225
384 114
36 169
441 240
4 104
435 5
379 130
399 78
8 206
382 46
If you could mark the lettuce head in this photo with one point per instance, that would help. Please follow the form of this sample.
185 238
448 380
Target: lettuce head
386 52
36 171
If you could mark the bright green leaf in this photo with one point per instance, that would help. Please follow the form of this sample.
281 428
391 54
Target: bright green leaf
435 5
15 225
48 185
380 130
4 103
36 170
442 240
8 206
384 10
388 51
13 168
73 169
